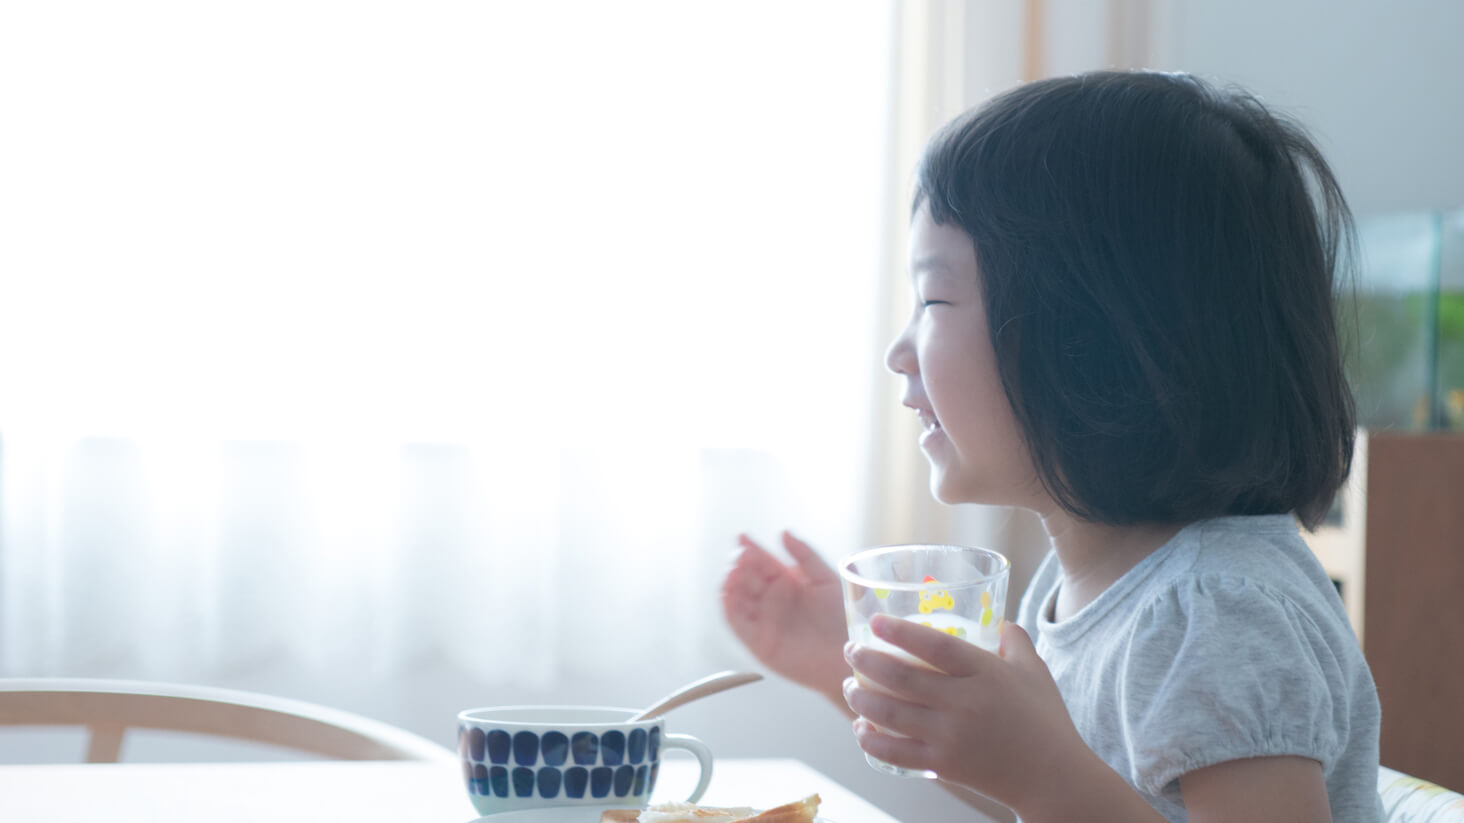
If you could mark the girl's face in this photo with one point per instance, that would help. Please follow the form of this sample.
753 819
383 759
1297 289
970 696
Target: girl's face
971 437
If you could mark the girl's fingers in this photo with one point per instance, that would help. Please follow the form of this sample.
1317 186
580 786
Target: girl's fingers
737 598
892 713
744 583
905 752
747 542
755 562
814 568
1016 646
913 683
951 655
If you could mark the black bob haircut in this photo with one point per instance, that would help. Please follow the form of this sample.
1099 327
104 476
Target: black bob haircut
1158 259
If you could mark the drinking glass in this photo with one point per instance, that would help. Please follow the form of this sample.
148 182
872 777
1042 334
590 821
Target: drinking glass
957 589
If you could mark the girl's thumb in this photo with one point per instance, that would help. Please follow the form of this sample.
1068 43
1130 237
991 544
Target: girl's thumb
1016 646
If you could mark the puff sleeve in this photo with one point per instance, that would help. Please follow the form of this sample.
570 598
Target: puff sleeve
1221 668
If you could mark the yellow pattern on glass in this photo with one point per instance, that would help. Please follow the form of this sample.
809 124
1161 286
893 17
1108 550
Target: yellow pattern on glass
881 593
930 601
953 631
986 614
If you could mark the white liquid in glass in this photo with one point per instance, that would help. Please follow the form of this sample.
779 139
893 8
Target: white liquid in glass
986 637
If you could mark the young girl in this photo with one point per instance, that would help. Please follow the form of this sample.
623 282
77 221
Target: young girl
1123 321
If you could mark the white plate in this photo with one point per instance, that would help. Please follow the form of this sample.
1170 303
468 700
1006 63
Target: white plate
563 814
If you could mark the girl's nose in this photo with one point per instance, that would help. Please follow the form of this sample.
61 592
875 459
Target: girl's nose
900 357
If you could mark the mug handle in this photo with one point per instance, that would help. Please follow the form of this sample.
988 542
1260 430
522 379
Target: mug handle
703 756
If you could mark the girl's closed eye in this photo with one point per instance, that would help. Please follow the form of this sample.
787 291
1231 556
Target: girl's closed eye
928 303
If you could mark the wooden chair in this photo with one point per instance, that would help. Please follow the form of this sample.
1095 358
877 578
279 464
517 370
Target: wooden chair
108 708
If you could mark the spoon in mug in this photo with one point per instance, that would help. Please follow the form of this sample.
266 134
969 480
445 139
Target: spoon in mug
711 684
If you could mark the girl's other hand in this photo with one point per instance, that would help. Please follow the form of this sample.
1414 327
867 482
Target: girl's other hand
791 617
994 723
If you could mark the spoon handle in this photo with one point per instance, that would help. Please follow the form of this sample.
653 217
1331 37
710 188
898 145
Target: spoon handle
710 684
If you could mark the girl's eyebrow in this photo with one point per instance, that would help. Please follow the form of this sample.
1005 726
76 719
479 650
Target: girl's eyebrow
932 263
933 266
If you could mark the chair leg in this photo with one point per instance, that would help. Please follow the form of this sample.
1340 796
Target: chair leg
105 745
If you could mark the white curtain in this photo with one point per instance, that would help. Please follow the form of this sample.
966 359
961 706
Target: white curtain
357 336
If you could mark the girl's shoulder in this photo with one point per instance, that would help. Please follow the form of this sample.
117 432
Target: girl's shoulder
1255 556
1251 579
1238 572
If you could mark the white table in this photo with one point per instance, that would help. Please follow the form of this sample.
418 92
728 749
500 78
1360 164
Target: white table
354 792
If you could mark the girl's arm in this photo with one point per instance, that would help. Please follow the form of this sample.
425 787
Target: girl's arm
1260 788
997 724
1257 790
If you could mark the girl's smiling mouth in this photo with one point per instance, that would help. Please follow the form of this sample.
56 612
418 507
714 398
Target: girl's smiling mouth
931 426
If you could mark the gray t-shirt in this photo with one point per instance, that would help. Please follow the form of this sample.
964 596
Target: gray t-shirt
1227 642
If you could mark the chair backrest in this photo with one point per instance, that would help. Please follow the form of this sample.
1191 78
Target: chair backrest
108 708
1410 800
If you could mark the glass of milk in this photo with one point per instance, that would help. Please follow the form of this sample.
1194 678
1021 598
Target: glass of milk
958 590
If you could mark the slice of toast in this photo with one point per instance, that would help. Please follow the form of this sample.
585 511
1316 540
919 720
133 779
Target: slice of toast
800 811
678 813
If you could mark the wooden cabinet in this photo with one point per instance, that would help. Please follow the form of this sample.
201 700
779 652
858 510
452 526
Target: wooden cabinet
1398 558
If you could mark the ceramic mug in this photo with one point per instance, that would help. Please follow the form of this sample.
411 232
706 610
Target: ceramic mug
530 757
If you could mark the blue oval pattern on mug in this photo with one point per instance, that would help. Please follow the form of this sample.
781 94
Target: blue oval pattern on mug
623 778
636 745
612 748
526 748
549 779
555 748
618 763
523 782
498 743
600 782
586 748
475 744
575 781
640 781
498 777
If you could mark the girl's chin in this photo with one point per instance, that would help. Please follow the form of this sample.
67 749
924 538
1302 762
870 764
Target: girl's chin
944 489
954 489
951 492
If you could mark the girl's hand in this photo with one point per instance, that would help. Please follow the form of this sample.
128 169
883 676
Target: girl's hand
994 723
791 617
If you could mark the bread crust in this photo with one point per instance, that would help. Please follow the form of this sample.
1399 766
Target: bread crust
799 811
